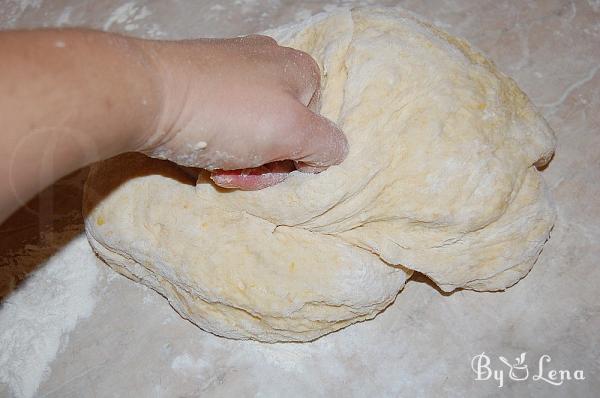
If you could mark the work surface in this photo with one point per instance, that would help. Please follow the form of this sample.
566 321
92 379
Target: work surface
72 326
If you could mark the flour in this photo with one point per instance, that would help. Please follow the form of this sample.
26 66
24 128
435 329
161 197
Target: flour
11 11
25 4
65 17
37 318
127 13
189 365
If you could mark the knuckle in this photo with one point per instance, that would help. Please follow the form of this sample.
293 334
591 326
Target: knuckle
310 64
269 40
262 39
305 72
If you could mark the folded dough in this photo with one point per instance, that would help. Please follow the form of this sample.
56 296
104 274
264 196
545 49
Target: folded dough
440 178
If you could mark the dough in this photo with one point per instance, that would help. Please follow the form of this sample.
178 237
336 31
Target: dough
440 179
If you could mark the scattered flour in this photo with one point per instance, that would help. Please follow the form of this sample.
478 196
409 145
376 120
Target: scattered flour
25 4
127 13
285 356
302 15
595 4
65 17
37 317
11 10
155 32
187 364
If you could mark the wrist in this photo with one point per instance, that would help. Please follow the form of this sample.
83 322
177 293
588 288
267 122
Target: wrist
128 86
151 94
171 79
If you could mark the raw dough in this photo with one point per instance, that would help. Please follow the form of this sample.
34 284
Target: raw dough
440 178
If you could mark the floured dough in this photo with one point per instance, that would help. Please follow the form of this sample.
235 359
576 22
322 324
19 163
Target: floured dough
440 178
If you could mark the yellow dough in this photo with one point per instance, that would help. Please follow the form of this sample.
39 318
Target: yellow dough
440 178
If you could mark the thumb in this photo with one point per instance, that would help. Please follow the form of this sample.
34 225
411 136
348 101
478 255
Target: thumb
323 144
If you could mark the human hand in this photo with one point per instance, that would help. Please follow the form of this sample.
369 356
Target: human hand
242 103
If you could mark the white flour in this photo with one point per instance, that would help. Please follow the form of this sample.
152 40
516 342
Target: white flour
127 13
36 319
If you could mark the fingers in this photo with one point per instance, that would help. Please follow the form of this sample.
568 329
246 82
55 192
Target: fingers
315 101
255 178
322 143
306 168
299 70
261 39
311 141
309 94
305 77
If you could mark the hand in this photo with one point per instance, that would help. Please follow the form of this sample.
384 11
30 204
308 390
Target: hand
240 104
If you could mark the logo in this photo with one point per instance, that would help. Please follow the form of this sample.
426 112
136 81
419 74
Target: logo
483 368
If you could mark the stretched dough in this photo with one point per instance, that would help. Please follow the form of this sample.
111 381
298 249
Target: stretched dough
440 178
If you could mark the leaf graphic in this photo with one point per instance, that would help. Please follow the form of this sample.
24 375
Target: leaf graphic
503 359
